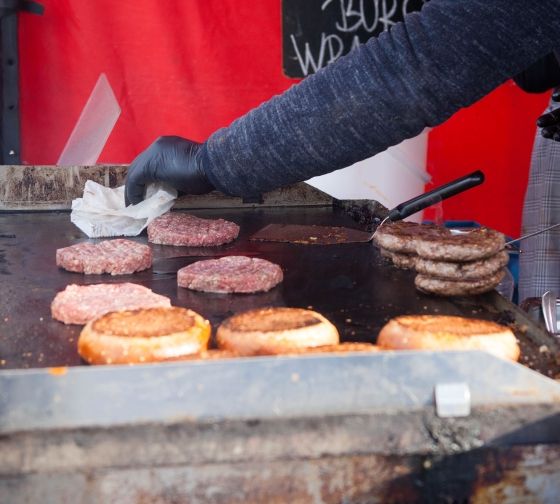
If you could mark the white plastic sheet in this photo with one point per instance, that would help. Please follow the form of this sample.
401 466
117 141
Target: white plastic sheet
96 122
101 212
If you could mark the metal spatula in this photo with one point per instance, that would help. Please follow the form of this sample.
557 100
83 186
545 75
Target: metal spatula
310 234
434 196
330 235
170 265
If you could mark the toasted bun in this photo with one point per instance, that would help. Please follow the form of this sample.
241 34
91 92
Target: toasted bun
270 331
146 335
340 348
440 332
213 354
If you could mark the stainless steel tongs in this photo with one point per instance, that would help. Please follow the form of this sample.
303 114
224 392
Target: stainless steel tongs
549 312
535 233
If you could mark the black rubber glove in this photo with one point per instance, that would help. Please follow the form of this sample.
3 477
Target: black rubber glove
170 159
550 123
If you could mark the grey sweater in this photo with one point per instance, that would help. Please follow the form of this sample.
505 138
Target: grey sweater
444 58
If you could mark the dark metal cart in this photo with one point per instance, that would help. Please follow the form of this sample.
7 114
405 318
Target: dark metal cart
317 428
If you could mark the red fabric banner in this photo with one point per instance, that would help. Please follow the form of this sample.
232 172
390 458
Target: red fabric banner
183 68
190 67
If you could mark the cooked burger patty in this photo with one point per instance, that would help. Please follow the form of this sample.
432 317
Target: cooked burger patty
477 244
401 236
78 304
471 270
182 229
439 243
403 261
117 257
442 287
442 332
231 274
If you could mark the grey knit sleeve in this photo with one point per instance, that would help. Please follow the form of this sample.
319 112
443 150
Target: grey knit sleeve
421 72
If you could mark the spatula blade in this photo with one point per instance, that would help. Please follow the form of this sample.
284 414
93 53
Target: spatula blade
310 234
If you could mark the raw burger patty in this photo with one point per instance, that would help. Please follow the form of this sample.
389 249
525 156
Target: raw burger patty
182 229
230 274
117 257
78 304
442 287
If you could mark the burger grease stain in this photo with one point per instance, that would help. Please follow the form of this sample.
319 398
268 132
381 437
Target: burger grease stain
58 371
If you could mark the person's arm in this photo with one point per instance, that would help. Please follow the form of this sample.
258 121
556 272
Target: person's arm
550 122
541 76
416 75
445 57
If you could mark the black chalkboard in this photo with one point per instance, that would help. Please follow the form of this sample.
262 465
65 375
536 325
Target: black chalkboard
317 32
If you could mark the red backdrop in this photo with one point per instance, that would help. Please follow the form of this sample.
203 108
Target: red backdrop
190 67
496 136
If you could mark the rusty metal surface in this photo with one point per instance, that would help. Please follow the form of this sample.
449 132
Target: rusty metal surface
349 283
232 442
360 459
54 187
299 195
524 475
51 187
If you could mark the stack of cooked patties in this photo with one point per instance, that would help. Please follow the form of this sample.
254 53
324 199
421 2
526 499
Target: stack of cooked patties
447 263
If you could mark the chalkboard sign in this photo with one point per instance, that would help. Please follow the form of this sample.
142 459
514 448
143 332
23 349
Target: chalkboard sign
317 32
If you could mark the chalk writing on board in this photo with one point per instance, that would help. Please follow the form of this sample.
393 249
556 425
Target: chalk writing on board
323 30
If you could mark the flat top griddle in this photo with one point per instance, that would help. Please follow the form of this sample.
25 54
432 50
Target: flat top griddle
348 283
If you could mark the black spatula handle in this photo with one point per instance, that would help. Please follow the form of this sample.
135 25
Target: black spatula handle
434 196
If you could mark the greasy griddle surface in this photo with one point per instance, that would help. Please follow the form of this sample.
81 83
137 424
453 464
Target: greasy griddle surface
348 283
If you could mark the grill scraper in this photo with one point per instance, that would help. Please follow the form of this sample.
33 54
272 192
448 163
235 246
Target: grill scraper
330 235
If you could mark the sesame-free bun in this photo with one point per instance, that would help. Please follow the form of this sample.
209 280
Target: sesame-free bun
347 347
145 335
441 332
271 331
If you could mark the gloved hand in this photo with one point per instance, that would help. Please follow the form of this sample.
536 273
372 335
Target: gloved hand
171 159
550 123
